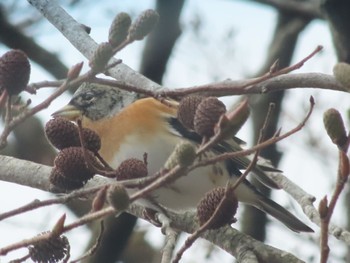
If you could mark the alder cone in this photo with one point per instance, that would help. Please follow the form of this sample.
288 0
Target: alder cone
131 169
14 71
71 162
187 110
210 202
62 134
207 116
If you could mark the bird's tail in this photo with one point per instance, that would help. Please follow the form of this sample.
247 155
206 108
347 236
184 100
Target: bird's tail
280 213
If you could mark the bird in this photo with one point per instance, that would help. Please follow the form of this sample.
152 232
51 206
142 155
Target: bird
149 126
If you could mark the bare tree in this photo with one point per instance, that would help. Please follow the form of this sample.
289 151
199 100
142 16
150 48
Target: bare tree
272 79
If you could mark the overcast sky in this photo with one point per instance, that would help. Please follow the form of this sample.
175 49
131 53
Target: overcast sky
194 62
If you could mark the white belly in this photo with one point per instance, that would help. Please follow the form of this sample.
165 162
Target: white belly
186 192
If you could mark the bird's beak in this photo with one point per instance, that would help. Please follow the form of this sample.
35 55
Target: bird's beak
69 112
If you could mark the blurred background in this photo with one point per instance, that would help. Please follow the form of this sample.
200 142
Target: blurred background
196 42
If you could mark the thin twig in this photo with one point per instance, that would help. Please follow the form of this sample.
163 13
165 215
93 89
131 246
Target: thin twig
58 200
80 222
343 174
276 138
33 87
230 87
235 87
94 248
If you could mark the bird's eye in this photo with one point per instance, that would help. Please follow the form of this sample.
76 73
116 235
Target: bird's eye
89 97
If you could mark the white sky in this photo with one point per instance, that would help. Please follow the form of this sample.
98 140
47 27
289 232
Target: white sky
194 63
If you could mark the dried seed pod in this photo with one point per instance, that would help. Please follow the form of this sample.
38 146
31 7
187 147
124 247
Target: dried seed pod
184 154
187 109
131 169
210 202
71 162
207 115
118 197
62 182
143 25
50 250
91 140
335 128
63 134
101 56
119 29
14 71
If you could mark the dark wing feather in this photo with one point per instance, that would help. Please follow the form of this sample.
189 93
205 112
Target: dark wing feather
234 164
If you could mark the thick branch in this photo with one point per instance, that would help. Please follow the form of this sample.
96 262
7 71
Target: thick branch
337 14
282 82
308 9
37 176
78 37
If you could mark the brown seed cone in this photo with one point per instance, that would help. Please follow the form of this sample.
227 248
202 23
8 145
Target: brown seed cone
210 202
119 29
50 250
91 140
187 109
207 115
101 56
71 162
14 71
143 25
131 169
63 134
62 182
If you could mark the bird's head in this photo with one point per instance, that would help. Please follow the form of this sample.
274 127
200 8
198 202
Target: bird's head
93 101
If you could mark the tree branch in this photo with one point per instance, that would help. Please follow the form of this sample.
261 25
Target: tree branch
78 37
37 176
308 9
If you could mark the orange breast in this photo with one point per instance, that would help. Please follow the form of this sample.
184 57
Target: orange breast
145 118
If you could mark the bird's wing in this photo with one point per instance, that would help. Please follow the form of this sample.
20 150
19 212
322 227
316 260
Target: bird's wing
231 145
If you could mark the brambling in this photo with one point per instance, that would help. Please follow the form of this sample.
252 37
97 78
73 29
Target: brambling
151 127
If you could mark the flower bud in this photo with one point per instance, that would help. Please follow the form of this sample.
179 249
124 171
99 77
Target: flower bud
119 29
101 56
184 154
118 197
143 25
341 72
335 128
